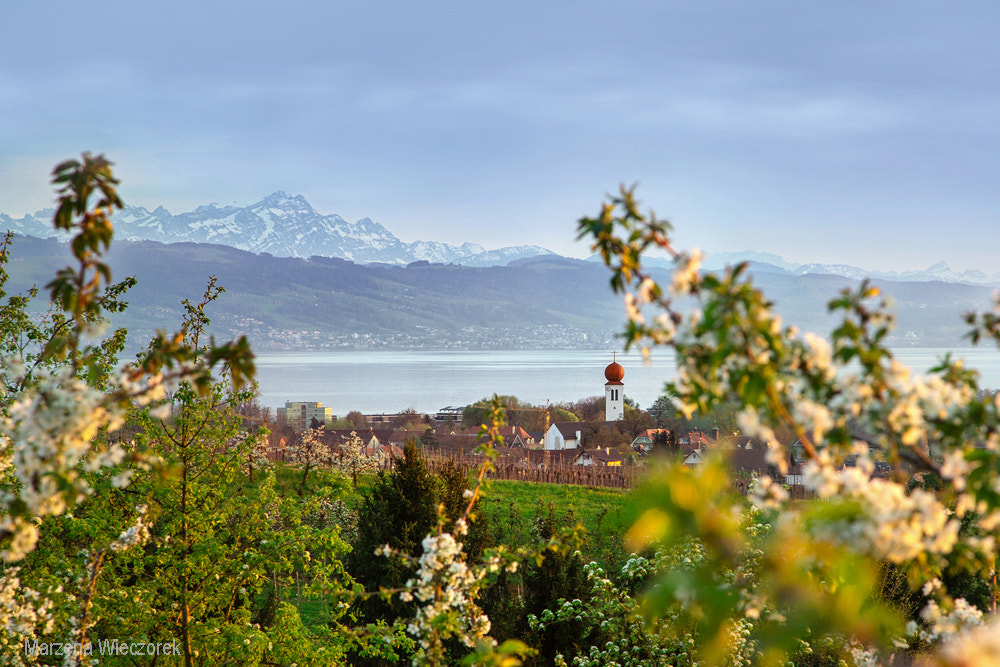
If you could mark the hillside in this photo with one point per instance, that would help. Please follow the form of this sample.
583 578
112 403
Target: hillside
542 302
549 301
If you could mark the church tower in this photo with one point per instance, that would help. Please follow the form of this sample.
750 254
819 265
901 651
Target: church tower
614 397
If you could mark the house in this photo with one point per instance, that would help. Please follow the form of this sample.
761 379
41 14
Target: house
371 438
694 457
598 457
644 441
749 460
379 419
738 458
513 436
565 435
698 438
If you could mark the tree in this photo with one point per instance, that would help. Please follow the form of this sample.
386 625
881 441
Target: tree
589 409
206 552
813 578
560 414
399 510
666 415
666 442
549 584
606 436
351 457
218 556
475 414
310 453
662 407
408 420
723 416
635 421
355 420
256 447
49 367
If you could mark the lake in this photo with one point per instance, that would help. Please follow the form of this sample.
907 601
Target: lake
391 381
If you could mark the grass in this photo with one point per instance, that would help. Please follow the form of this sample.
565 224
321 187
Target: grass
513 508
599 510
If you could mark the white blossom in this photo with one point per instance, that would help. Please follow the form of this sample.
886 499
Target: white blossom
686 273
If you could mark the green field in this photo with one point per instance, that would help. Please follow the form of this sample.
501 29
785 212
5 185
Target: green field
602 512
512 507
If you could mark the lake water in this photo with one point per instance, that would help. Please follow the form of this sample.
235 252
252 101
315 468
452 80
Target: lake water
391 381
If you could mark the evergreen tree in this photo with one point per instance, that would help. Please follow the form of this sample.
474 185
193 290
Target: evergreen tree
400 510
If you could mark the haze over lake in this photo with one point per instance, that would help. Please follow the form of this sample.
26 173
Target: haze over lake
391 381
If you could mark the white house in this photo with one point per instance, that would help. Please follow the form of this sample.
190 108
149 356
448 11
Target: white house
564 435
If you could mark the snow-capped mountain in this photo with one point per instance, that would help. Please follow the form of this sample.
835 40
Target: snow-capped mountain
285 226
939 272
763 262
769 262
504 256
433 251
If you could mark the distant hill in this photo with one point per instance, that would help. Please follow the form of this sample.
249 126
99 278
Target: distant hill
547 301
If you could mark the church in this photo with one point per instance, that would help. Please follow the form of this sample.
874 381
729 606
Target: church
574 435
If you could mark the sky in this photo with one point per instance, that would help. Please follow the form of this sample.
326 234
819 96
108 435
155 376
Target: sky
861 133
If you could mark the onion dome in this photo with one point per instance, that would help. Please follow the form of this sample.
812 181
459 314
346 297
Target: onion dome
614 373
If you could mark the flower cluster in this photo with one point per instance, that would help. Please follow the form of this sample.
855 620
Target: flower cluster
24 612
446 586
613 630
135 535
255 446
978 645
896 525
45 436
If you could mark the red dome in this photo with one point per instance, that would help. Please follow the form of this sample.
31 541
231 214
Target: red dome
614 372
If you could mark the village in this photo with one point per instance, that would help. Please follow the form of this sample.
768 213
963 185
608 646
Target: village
614 451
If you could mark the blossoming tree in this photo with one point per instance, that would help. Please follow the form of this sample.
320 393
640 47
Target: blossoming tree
846 397
61 393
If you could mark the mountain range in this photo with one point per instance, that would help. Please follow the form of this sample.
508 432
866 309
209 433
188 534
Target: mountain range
281 225
284 225
762 262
